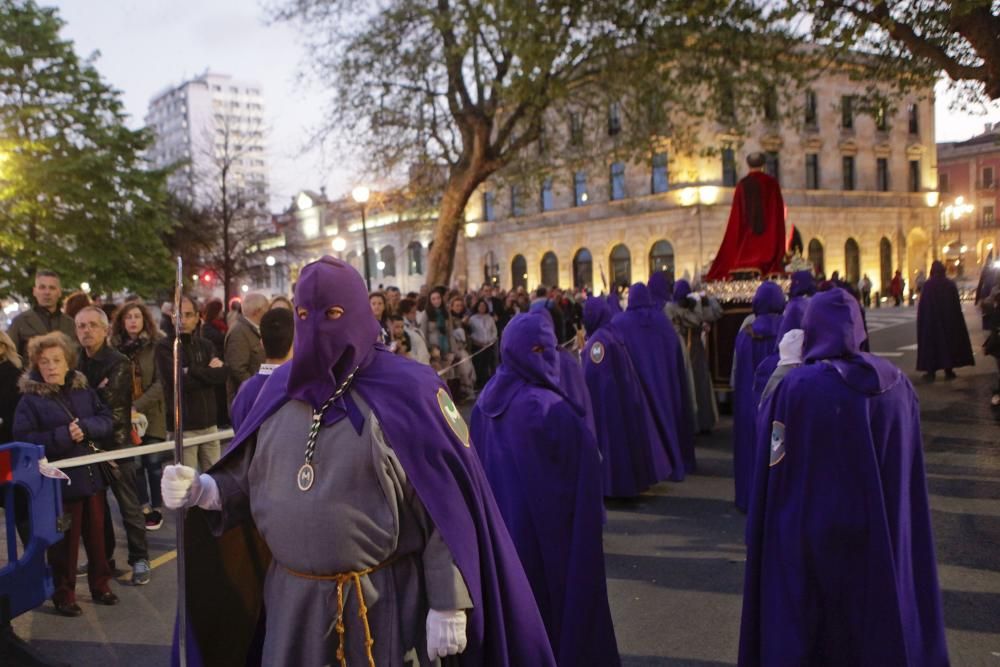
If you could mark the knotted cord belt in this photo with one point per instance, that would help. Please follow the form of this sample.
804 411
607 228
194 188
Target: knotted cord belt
346 578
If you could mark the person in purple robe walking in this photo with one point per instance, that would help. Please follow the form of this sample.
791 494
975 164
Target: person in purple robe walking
757 340
840 556
543 465
351 507
942 337
656 353
633 456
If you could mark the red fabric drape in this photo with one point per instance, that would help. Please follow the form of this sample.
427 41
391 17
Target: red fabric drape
742 248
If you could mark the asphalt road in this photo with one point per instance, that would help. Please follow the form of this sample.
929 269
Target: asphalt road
675 556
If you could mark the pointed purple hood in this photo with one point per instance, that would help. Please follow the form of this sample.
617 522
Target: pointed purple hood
596 313
803 284
768 304
660 288
639 297
327 349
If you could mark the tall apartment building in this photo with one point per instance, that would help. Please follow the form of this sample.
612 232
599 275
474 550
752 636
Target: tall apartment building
203 123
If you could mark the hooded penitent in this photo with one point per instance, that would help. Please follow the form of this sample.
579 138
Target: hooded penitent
942 337
753 344
840 556
802 284
656 354
660 288
544 467
336 335
633 456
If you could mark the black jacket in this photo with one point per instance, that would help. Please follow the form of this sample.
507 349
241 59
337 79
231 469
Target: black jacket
198 383
110 373
9 396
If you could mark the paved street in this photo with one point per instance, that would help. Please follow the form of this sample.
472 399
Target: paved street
675 556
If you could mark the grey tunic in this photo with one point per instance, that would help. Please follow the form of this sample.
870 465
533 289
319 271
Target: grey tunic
360 512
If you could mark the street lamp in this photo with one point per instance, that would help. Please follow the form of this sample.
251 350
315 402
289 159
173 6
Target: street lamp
360 195
338 244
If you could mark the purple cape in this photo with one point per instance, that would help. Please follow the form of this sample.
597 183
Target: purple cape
634 457
543 465
660 288
790 319
840 556
245 398
942 337
655 350
753 344
504 627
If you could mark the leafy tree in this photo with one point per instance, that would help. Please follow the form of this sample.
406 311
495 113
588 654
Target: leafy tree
957 37
484 87
75 192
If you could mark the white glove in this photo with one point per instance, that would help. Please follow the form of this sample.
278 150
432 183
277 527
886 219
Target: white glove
790 348
181 486
445 633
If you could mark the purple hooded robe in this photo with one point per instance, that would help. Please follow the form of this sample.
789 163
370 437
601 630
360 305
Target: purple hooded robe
942 337
840 556
427 436
544 467
634 457
754 343
656 353
660 288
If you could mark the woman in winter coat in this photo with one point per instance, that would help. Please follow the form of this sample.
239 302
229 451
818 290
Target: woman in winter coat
135 334
62 414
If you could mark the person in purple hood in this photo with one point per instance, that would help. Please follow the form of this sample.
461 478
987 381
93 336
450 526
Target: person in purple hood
633 456
757 340
942 337
352 508
658 358
542 462
840 556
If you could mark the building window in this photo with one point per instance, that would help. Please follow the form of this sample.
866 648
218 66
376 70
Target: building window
772 167
575 128
519 272
659 181
811 112
847 112
388 259
812 171
882 117
987 182
727 103
882 174
516 202
550 269
989 219
547 194
414 259
728 167
770 104
542 144
614 119
488 209
944 183
852 262
621 265
848 171
914 175
661 258
583 269
816 256
580 196
913 114
617 181
885 264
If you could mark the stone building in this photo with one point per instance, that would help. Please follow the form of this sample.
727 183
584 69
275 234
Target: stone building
968 174
860 192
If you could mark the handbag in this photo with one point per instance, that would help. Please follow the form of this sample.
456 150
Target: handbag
108 470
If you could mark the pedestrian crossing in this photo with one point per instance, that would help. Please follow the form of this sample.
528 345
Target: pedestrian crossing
884 318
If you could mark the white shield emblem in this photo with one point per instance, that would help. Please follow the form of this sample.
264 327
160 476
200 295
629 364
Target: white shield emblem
597 352
777 442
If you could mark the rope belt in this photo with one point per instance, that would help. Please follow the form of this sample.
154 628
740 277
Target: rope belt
347 578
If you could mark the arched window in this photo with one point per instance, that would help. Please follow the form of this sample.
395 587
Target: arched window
354 259
621 265
519 272
583 269
885 263
550 269
372 266
491 270
414 259
816 257
852 262
387 256
661 258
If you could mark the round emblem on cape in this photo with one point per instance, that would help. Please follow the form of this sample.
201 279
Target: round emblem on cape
453 416
305 477
597 352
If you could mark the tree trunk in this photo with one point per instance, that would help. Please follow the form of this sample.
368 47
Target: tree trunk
451 219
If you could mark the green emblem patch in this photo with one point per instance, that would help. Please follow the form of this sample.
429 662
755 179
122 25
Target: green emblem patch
453 416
